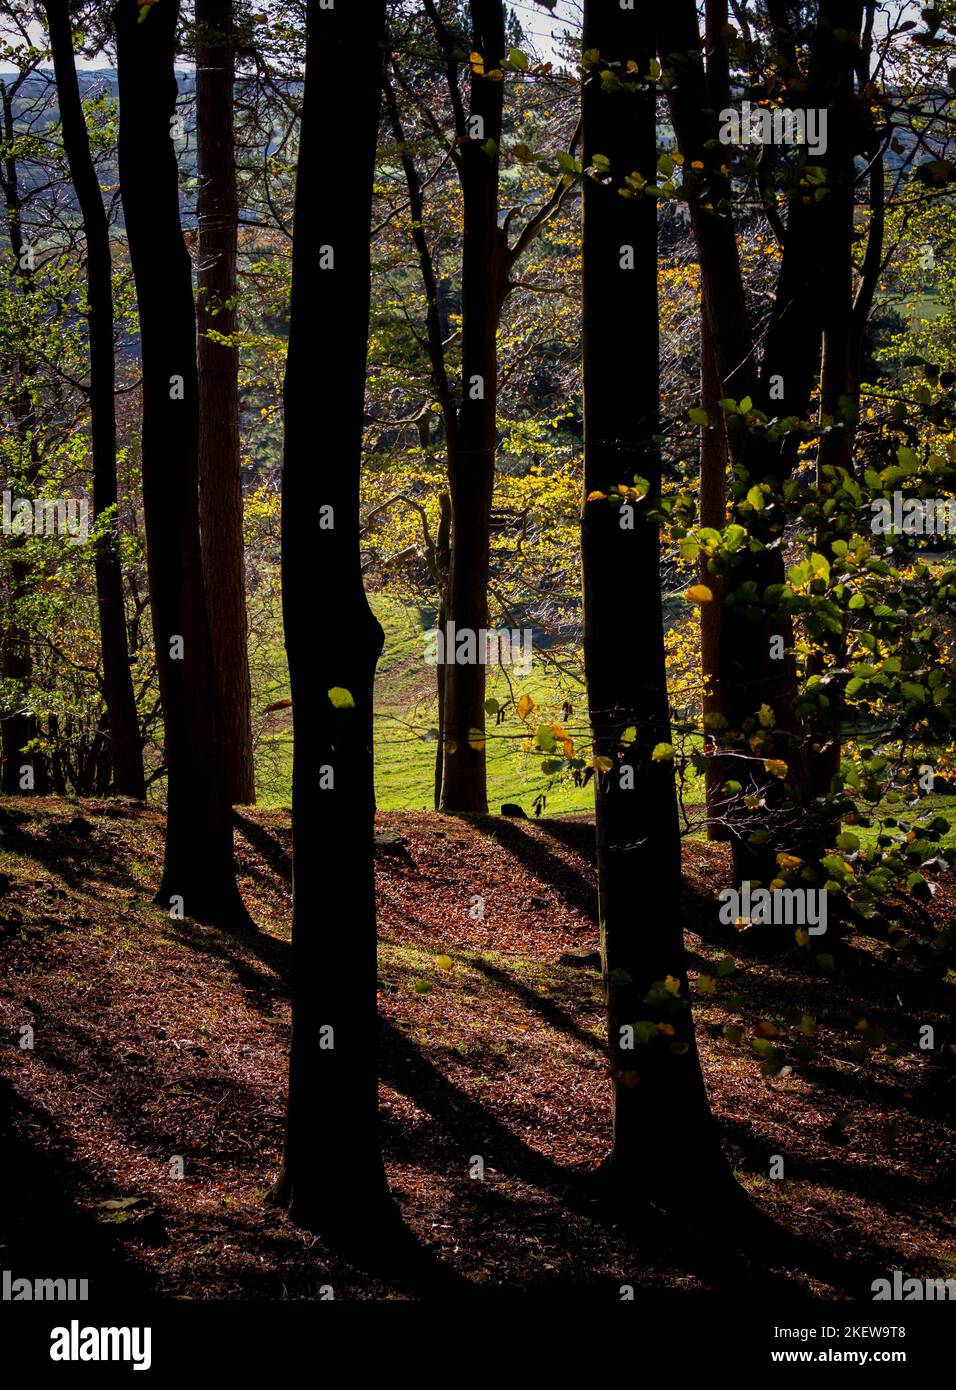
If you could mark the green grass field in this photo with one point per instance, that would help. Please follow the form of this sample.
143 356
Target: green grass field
406 723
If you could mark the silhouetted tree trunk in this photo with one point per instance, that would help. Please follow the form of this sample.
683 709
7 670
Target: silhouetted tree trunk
124 740
19 726
332 1179
220 481
664 1137
750 674
713 512
471 455
198 867
713 456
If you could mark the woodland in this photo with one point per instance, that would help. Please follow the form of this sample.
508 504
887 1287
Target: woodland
477 648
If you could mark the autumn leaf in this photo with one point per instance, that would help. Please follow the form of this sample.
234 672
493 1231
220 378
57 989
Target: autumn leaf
699 593
444 962
777 766
341 698
525 706
672 984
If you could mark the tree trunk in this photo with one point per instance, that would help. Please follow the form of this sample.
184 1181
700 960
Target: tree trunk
125 748
713 512
332 1178
220 480
664 1137
471 455
19 727
198 869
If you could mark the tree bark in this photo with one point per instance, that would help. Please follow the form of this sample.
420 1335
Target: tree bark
198 866
124 737
664 1137
713 512
332 1178
220 477
19 727
471 455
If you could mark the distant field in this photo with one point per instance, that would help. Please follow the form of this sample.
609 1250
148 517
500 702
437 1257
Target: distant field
406 722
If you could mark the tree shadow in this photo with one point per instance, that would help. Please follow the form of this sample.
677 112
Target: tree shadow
45 1234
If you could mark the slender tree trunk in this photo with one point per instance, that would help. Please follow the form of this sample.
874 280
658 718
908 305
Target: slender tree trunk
471 454
664 1136
198 873
714 455
332 1178
220 480
21 771
713 512
124 740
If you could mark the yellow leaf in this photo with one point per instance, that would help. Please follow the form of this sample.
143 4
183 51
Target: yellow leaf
788 861
596 496
567 747
666 1029
766 717
672 984
801 937
706 984
602 764
766 1029
525 706
444 962
777 766
699 593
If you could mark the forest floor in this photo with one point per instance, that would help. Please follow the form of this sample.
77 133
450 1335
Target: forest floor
154 1039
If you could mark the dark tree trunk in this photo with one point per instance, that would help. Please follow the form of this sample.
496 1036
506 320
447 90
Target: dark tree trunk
198 866
332 1178
714 456
749 675
664 1137
19 727
713 512
471 454
220 480
124 740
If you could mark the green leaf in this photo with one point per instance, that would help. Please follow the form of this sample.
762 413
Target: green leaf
341 698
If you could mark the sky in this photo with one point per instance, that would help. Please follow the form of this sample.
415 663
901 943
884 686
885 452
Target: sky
538 22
